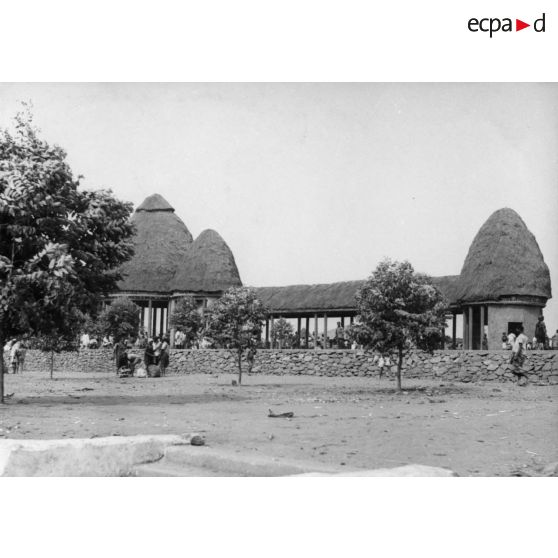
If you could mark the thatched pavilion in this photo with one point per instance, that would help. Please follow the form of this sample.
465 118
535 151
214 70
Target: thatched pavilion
168 264
504 281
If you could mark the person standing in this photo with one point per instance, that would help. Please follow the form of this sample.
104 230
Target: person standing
157 349
511 340
518 356
119 354
340 336
165 355
540 333
14 356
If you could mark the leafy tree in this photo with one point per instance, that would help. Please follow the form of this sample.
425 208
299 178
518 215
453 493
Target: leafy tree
60 247
281 332
187 318
400 309
235 321
121 319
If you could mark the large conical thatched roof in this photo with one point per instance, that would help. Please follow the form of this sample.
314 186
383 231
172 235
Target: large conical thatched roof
161 241
503 260
209 266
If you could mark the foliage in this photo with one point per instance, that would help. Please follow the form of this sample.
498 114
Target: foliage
282 332
121 319
187 318
235 321
60 247
400 309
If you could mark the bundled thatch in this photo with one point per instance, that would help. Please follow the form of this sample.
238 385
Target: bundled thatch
504 260
308 298
161 241
208 266
330 297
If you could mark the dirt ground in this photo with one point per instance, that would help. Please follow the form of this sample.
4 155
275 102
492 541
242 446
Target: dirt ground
477 430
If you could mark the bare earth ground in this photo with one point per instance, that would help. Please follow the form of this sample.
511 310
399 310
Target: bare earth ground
480 430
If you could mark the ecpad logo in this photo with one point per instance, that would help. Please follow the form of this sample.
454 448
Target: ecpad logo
492 25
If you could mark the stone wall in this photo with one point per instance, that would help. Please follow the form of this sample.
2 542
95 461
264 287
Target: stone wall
461 366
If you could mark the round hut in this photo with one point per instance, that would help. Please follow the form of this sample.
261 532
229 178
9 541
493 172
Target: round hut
168 264
504 282
207 270
161 240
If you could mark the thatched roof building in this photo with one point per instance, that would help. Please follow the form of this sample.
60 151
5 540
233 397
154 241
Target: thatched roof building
208 266
504 261
504 281
160 241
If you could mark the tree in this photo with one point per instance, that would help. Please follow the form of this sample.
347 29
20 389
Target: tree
235 321
400 309
121 319
187 318
281 332
60 247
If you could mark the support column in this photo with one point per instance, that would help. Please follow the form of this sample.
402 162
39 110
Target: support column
470 328
307 333
170 310
142 317
481 334
343 322
325 331
298 328
150 319
315 332
271 331
266 332
352 320
454 329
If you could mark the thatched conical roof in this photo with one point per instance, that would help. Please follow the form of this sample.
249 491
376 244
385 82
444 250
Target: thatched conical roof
209 266
504 260
161 240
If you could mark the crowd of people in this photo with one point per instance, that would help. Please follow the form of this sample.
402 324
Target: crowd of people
540 342
155 359
15 350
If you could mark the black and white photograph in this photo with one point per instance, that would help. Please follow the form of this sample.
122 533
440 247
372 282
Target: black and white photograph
278 279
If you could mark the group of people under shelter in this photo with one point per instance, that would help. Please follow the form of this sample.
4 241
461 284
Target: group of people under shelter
129 360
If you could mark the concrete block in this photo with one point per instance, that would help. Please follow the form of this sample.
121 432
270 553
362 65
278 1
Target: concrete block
109 457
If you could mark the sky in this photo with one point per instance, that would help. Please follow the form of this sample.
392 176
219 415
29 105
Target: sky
315 183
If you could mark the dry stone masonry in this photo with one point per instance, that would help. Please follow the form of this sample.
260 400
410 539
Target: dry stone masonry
460 366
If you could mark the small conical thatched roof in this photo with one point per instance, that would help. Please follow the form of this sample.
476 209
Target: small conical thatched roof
155 202
503 260
161 241
209 266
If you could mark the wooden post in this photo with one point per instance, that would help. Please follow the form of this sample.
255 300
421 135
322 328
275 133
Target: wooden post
272 345
352 320
266 332
470 328
343 322
162 322
325 331
170 310
315 332
298 328
150 319
481 334
306 334
454 328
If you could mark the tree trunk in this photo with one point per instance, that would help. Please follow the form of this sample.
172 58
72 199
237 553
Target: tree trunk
239 367
51 364
399 366
1 367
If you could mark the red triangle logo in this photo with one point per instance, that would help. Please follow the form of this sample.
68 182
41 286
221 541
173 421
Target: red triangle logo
519 25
